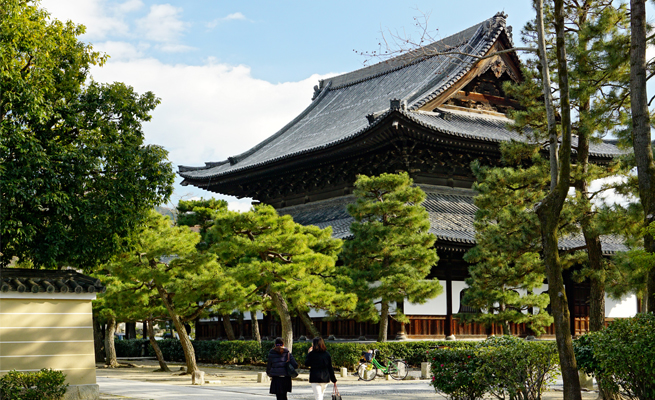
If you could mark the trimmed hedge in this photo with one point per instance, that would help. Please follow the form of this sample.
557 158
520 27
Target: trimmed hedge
503 367
46 384
250 352
622 356
132 348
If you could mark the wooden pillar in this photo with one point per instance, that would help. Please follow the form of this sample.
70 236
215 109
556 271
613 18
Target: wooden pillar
570 298
449 306
130 330
401 333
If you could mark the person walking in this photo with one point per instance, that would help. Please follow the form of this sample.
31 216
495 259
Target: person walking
321 372
276 368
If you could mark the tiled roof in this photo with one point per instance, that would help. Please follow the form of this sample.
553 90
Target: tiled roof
47 281
451 213
342 103
489 128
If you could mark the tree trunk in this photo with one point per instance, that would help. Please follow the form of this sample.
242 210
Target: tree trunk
504 324
641 137
153 342
227 325
309 324
285 319
240 324
110 349
98 340
591 235
255 327
384 321
130 330
548 97
187 347
549 211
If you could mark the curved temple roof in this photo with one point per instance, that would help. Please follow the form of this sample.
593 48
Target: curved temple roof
341 104
451 212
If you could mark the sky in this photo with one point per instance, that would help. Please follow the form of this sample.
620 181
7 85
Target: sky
230 74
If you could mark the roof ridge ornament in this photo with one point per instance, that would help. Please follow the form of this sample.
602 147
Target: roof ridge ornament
317 92
397 104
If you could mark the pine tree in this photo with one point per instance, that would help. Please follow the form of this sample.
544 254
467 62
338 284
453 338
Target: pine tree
200 213
641 132
589 71
391 252
506 266
279 261
127 300
165 261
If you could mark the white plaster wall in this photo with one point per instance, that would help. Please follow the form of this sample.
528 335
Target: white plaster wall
437 306
623 308
317 313
246 316
543 289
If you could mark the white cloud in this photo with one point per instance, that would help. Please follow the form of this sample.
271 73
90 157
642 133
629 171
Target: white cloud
211 111
231 17
120 50
162 24
100 17
236 15
174 48
129 6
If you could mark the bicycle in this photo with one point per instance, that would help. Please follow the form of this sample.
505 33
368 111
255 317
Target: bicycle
368 370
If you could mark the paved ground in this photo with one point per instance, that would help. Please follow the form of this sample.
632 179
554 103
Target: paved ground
141 382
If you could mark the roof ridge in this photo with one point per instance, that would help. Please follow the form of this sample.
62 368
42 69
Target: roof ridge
405 60
493 27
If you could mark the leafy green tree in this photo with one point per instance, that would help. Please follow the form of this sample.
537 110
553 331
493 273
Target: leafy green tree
280 261
75 174
391 253
128 300
188 282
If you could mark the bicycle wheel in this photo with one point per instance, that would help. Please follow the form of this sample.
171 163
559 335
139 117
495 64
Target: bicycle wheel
398 369
367 371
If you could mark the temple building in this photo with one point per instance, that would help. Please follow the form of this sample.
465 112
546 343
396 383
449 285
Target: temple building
430 113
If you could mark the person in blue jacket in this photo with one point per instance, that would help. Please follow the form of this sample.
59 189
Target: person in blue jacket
321 371
276 368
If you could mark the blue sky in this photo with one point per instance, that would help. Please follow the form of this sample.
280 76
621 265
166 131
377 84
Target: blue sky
232 73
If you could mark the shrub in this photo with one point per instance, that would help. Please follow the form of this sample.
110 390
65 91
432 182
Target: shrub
46 384
516 368
622 356
455 373
132 348
235 352
504 367
172 350
250 352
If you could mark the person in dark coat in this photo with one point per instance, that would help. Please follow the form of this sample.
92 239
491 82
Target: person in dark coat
321 371
276 368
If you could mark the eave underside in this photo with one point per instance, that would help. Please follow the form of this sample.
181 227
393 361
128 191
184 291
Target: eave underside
435 148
